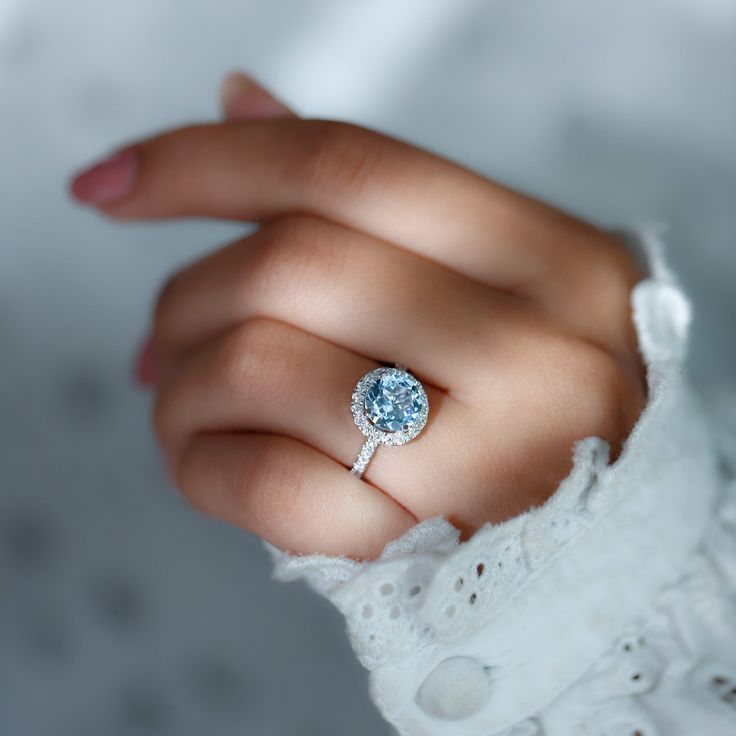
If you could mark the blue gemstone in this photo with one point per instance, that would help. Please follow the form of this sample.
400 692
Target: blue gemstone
394 402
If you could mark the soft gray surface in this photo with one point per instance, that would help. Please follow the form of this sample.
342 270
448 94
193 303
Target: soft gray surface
122 611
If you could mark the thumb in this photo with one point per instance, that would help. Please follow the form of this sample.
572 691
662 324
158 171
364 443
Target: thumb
242 98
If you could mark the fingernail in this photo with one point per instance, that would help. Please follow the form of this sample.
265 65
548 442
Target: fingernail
243 98
144 372
108 180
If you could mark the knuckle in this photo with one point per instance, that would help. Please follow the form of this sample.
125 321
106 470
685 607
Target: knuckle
282 263
299 255
255 356
341 157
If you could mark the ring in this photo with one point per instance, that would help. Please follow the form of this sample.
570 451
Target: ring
390 407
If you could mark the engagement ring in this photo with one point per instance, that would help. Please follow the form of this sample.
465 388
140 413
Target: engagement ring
390 407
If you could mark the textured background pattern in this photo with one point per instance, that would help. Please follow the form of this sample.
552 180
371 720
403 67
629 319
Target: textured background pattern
123 612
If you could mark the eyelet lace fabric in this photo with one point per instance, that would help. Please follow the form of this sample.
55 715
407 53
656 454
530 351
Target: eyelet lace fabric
610 610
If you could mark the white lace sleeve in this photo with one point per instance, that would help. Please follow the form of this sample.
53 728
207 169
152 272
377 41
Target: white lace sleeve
610 610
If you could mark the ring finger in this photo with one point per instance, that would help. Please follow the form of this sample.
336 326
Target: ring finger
268 377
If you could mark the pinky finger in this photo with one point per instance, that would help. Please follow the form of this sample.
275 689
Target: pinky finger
242 98
292 495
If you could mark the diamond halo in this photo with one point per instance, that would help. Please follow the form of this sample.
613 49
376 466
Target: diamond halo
382 398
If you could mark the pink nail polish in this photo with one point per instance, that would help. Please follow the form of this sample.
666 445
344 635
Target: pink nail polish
106 181
145 365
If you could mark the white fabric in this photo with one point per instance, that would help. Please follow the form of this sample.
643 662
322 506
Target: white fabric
609 610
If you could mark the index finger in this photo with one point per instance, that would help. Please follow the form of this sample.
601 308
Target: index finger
257 170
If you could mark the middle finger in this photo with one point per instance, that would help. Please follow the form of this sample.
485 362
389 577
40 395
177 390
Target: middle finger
348 288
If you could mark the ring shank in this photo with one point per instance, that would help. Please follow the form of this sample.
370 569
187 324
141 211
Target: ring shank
364 457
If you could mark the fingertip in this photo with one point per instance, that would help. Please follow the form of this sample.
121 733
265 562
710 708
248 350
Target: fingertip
242 98
105 181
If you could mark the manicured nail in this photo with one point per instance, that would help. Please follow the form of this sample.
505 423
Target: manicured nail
145 365
108 180
242 98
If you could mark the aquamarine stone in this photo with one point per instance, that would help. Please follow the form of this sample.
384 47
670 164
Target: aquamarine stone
394 402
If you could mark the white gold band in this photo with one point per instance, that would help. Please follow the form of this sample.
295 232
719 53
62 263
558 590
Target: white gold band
364 457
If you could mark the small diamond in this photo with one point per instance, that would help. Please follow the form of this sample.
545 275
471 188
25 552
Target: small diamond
394 402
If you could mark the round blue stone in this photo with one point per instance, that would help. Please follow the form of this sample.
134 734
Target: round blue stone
394 402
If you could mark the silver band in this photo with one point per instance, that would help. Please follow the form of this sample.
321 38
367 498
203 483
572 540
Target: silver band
390 407
364 457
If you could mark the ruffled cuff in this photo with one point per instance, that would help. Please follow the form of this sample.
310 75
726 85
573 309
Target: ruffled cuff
477 638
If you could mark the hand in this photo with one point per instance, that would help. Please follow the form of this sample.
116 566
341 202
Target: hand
516 317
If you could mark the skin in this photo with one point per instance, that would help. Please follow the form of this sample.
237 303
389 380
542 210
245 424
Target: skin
515 316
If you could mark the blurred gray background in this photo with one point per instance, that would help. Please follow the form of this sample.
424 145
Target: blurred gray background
121 610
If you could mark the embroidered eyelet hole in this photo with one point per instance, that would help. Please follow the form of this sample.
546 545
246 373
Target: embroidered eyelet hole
415 591
636 677
724 688
386 589
473 598
480 569
459 583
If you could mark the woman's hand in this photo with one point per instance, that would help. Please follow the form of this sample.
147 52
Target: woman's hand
515 317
